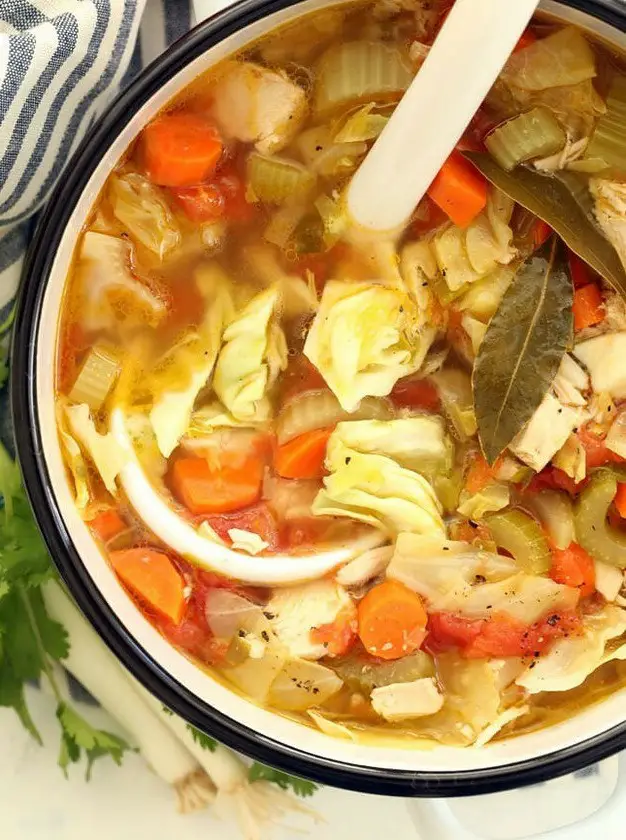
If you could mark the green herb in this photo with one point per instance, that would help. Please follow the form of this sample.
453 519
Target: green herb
522 348
30 641
201 738
552 200
261 773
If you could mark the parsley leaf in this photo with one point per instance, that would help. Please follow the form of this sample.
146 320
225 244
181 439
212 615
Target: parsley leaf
201 738
30 641
301 787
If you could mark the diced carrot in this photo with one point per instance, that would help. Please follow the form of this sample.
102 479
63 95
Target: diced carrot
588 306
416 393
108 524
340 635
303 457
392 620
459 189
572 566
527 39
180 149
202 203
222 487
541 233
478 475
152 577
620 500
579 272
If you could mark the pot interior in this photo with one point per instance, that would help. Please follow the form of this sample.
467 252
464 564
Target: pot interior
589 723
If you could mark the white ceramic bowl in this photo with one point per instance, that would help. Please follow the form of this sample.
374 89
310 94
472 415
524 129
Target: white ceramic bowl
443 771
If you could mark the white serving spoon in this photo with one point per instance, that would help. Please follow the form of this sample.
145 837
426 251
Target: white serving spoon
474 44
189 542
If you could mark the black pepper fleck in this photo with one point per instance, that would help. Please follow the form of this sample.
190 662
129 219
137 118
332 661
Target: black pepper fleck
265 636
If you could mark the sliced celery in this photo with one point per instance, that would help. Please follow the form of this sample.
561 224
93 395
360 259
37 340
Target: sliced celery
599 539
522 536
96 378
273 180
607 146
360 71
533 134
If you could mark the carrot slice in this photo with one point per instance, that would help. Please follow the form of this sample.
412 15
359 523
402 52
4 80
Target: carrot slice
108 524
459 189
588 306
180 149
541 233
303 457
392 620
152 577
205 487
572 566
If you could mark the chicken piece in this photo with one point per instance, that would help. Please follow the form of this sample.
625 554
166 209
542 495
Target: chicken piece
297 610
603 356
401 701
545 433
257 105
570 382
610 211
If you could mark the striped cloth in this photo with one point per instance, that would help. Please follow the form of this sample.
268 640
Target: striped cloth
61 62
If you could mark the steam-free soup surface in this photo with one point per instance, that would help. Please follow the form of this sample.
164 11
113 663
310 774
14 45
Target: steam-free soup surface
444 409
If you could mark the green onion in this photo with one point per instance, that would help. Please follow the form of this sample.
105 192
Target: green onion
534 134
96 378
273 180
360 71
607 146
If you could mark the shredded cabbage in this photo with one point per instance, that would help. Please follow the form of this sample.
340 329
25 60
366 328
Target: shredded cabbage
141 208
247 541
376 490
75 462
253 354
363 339
571 660
494 496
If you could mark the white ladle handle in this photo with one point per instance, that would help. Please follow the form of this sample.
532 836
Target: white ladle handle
471 49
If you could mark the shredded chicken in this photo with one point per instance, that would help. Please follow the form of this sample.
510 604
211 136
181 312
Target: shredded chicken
570 152
610 211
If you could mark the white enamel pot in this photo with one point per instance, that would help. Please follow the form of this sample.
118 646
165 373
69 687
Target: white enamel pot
593 734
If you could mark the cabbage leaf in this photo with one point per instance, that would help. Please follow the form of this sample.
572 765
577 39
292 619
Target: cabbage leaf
141 208
376 490
492 497
571 660
253 354
364 338
75 462
103 450
189 364
418 443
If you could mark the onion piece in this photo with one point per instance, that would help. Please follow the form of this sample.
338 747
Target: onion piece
556 514
227 613
302 684
321 409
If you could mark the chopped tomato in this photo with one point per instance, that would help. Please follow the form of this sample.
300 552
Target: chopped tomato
579 272
427 217
318 265
108 524
541 233
596 450
499 635
552 478
620 500
572 566
339 636
416 393
258 519
201 203
233 188
526 40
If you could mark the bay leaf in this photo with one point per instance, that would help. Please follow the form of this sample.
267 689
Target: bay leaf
523 348
557 202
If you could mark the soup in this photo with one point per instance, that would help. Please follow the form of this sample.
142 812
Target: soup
373 484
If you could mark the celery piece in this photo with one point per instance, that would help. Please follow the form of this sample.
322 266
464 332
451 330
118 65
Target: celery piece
593 533
360 71
455 391
96 378
607 144
522 536
533 134
273 180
